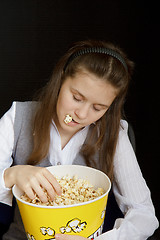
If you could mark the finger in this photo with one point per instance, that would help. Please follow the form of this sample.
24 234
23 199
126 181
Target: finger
30 193
47 186
53 181
68 237
39 191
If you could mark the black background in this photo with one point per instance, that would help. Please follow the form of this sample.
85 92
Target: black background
34 34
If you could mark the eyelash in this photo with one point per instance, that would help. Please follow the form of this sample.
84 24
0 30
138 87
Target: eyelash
97 110
78 100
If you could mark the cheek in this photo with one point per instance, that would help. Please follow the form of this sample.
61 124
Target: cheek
94 117
64 104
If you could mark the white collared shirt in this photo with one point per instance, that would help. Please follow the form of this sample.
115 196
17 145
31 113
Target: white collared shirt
65 156
129 186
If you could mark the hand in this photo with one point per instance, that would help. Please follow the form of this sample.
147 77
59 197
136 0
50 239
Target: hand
68 237
31 179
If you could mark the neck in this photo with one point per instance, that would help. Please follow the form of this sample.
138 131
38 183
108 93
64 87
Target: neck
64 134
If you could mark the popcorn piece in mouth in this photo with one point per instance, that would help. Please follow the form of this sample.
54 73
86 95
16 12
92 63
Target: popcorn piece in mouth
68 119
74 191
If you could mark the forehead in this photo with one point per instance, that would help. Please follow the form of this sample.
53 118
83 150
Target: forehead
92 88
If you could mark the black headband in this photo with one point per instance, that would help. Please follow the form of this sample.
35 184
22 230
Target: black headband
102 50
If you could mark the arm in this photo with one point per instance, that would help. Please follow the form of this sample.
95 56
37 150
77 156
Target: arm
132 195
6 148
29 178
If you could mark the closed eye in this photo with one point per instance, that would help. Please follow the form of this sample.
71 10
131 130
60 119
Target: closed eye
96 109
100 107
76 98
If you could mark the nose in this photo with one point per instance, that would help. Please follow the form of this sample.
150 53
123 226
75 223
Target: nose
82 112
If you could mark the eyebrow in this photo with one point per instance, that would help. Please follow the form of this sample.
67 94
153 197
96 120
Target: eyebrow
75 90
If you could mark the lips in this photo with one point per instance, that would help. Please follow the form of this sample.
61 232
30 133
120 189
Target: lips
70 121
74 120
73 123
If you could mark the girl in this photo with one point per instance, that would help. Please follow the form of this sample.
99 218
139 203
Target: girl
88 85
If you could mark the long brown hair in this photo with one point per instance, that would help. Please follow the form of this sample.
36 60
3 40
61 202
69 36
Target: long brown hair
102 137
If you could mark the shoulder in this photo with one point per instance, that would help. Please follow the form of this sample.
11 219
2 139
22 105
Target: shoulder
24 114
27 108
126 130
28 105
123 138
125 146
123 127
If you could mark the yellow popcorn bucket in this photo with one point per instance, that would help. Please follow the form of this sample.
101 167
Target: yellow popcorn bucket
84 219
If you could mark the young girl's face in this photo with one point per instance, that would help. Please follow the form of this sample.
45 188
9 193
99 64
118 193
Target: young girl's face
85 98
